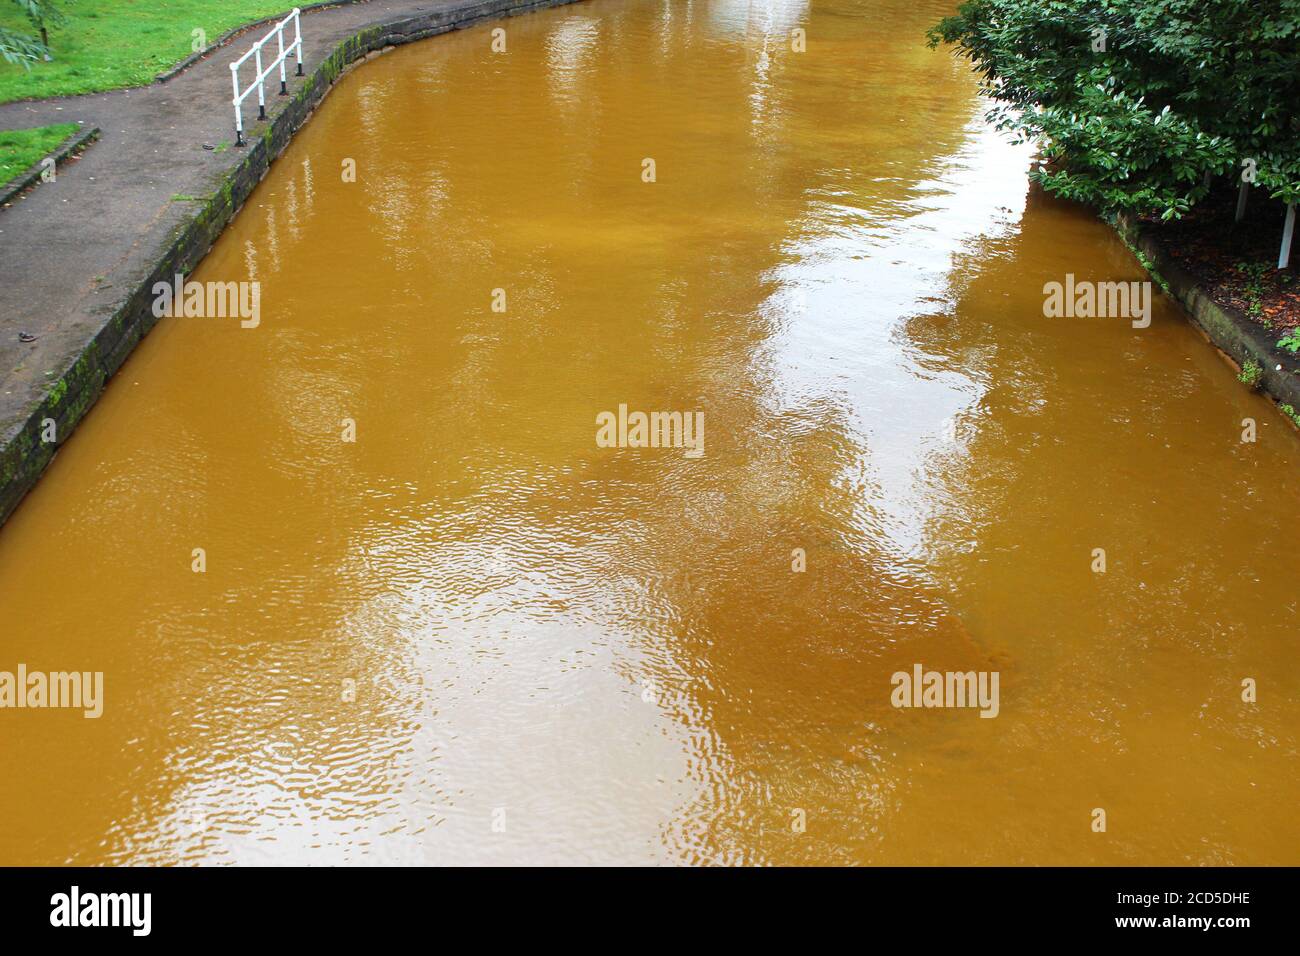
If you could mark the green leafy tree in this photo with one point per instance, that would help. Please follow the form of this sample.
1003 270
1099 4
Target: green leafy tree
1136 101
19 48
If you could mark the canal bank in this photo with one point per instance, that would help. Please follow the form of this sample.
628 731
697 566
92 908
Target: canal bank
83 254
1227 329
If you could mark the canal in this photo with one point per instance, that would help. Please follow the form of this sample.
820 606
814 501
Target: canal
437 622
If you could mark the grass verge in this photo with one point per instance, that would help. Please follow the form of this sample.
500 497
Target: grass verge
22 148
109 44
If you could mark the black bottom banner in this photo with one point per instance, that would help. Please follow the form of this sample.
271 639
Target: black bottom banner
214 905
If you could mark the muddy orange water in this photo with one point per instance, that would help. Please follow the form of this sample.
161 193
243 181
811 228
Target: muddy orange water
473 635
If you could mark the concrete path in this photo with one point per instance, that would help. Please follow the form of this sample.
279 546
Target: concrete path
73 251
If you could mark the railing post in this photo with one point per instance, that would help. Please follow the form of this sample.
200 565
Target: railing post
1288 232
239 113
261 87
297 33
279 39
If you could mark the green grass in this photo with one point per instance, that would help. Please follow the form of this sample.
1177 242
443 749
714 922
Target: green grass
21 148
109 44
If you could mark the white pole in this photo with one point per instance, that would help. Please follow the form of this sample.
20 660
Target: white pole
239 113
279 37
1288 231
261 98
297 33
1241 201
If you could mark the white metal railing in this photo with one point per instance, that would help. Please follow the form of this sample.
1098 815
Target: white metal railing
258 82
